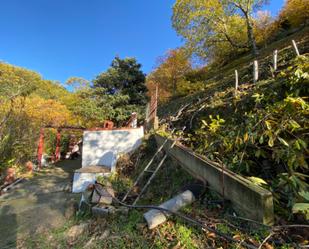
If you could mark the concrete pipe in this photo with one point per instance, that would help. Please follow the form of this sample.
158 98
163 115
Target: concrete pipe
156 217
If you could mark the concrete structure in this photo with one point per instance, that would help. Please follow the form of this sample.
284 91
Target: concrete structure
101 149
156 217
250 200
87 175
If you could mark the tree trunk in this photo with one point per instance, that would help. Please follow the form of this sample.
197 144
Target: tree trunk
251 36
174 86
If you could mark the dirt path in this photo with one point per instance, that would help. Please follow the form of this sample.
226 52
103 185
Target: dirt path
40 203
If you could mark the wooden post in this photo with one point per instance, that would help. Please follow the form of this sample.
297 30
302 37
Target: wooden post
255 71
275 60
236 82
295 48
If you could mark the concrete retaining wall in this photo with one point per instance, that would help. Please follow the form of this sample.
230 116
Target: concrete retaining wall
103 147
252 201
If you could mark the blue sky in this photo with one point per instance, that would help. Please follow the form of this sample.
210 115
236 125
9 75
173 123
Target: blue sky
64 38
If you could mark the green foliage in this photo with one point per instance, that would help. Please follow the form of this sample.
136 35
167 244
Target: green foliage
124 77
27 103
120 184
220 30
301 208
16 81
264 135
93 106
214 125
216 29
15 127
204 25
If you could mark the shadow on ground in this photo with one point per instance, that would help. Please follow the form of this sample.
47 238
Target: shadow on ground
37 204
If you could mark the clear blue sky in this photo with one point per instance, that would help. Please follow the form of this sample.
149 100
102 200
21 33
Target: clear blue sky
64 38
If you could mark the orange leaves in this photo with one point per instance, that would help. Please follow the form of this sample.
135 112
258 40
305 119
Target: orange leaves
170 74
47 112
296 12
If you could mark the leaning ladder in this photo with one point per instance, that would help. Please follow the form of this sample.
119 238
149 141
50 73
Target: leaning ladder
146 169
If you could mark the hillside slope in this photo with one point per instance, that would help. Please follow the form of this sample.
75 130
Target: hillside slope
223 78
262 132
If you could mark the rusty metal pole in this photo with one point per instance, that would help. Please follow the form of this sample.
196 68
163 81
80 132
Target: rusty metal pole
156 99
40 148
57 152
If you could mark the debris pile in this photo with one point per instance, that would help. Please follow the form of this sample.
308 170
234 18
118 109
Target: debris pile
99 199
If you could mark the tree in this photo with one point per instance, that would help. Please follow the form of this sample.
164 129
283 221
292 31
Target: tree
124 77
15 82
295 13
27 103
77 83
93 105
264 26
170 73
204 23
247 8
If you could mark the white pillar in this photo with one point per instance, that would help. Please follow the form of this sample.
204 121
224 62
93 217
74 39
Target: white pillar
236 81
295 47
275 60
255 71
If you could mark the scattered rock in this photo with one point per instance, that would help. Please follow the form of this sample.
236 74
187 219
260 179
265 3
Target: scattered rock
104 235
103 194
75 231
103 210
106 200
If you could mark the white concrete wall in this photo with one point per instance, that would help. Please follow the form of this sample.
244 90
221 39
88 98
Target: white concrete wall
104 146
82 180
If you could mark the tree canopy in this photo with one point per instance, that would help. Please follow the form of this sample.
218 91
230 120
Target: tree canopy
209 23
124 77
170 76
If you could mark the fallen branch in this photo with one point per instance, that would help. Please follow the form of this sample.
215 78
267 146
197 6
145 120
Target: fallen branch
8 187
265 240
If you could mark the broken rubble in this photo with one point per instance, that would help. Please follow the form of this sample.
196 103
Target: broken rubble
102 211
102 195
105 210
75 231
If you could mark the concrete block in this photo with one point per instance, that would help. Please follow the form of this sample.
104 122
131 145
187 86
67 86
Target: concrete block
252 201
103 211
106 200
95 197
156 217
100 211
82 180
